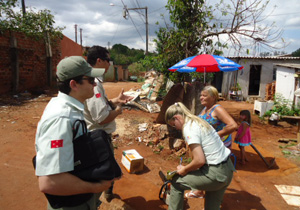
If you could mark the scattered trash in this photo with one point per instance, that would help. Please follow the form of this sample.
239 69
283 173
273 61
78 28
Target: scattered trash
178 144
169 84
148 93
273 120
143 127
153 108
291 194
133 94
139 106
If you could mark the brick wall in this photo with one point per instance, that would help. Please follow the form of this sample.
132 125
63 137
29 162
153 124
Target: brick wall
5 74
32 63
69 48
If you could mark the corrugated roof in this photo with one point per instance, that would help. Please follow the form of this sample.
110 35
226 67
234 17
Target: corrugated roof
263 58
289 65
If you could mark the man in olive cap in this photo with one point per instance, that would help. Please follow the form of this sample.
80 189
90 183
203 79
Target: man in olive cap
54 147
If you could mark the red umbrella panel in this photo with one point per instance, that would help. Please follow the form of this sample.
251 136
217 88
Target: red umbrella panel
205 63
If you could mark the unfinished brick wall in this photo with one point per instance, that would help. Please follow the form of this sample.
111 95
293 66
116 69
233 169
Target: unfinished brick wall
32 63
270 91
5 74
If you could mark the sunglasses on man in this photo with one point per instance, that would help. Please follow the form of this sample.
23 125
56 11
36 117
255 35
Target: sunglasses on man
106 59
90 80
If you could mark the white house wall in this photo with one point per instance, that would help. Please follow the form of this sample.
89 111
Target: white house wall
266 76
227 80
243 76
285 82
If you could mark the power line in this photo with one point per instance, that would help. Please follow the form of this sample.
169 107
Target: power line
135 26
283 14
125 29
126 11
116 29
137 3
156 10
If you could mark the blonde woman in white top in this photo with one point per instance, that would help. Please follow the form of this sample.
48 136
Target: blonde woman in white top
210 170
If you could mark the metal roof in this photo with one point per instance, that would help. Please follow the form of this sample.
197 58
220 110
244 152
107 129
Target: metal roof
263 58
289 65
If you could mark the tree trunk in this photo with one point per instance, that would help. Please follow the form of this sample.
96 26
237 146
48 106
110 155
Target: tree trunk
192 96
198 88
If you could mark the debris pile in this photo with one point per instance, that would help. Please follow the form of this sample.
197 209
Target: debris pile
144 98
157 137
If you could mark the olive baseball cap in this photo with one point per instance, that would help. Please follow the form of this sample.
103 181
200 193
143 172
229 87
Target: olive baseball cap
74 66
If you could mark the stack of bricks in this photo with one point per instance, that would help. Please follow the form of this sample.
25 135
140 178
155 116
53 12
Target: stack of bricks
270 91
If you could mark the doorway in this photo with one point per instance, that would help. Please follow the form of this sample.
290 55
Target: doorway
217 81
254 79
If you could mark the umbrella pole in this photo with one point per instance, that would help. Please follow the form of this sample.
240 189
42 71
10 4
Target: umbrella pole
204 74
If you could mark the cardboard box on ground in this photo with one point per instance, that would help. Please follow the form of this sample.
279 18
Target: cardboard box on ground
132 161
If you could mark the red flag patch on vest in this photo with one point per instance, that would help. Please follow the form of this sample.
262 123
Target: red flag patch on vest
57 143
98 95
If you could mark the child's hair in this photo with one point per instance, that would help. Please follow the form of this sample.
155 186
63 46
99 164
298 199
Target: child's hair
180 108
247 114
212 91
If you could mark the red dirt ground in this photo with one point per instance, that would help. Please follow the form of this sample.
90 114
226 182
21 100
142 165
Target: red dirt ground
253 185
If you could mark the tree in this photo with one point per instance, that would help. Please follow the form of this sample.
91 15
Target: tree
275 53
296 53
34 24
135 69
202 28
199 28
122 55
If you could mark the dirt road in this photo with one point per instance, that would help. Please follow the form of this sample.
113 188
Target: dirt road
253 185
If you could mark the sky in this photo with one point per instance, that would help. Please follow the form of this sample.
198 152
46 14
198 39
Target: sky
104 25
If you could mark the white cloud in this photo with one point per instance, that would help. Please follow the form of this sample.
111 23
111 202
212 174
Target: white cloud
102 23
293 22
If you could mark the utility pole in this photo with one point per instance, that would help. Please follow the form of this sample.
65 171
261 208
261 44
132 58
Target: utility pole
80 37
76 33
125 11
23 7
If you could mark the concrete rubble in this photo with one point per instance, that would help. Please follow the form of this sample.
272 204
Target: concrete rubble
157 136
144 98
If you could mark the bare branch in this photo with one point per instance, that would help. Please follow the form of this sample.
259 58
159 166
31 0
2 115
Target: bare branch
245 20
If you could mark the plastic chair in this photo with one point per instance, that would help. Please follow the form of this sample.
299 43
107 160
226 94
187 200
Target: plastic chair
234 159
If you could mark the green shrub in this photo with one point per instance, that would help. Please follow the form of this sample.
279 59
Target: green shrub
283 107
